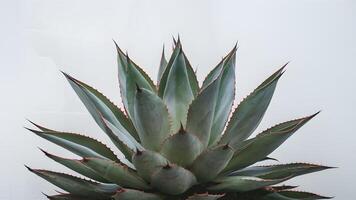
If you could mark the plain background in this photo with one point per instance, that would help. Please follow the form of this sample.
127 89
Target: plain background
39 38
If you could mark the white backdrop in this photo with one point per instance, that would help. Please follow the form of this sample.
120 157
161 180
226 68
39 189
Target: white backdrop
39 38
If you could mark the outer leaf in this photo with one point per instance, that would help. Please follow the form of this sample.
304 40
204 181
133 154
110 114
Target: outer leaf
280 171
151 119
293 195
302 195
250 111
193 81
131 74
173 180
265 143
162 66
116 172
78 166
78 144
182 148
101 107
225 96
129 194
205 196
77 186
211 162
242 183
178 92
147 162
72 197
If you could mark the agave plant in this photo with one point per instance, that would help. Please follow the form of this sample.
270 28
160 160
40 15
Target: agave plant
177 139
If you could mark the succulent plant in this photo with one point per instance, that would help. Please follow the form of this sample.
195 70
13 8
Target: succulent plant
177 138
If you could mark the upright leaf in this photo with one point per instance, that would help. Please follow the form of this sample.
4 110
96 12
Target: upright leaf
77 186
265 143
162 66
205 196
178 93
151 119
250 111
131 74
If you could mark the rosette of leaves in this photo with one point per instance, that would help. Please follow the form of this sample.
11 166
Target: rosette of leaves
177 138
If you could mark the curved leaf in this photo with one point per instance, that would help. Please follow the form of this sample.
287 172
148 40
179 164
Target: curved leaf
78 144
182 148
72 197
116 172
250 111
129 194
147 162
293 195
151 119
280 171
172 179
211 162
264 143
242 183
101 107
205 196
75 185
77 166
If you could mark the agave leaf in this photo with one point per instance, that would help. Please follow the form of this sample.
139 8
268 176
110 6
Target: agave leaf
225 96
116 172
124 142
101 107
250 111
178 92
162 66
164 77
201 112
75 185
78 166
73 197
182 148
78 144
205 196
293 195
193 81
302 195
172 179
129 194
280 171
264 143
211 162
147 162
151 119
242 183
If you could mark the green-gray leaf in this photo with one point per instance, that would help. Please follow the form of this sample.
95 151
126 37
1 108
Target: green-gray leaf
130 194
147 162
205 196
250 111
78 144
77 166
76 186
116 172
264 143
151 119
